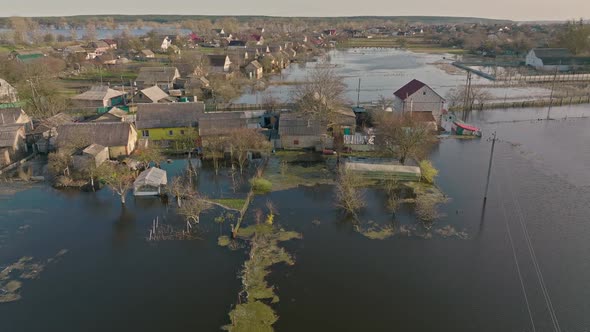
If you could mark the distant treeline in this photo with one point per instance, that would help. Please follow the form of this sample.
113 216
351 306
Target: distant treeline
170 19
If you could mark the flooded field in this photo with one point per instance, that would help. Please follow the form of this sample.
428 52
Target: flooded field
458 273
383 71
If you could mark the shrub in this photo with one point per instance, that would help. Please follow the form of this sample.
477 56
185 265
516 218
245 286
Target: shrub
428 171
261 185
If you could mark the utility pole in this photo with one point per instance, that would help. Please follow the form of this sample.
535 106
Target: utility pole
551 94
358 95
485 197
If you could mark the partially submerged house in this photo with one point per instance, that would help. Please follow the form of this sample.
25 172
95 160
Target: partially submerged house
416 96
98 97
12 143
150 182
298 131
165 122
163 77
8 93
119 138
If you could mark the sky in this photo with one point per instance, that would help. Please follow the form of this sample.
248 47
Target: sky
518 10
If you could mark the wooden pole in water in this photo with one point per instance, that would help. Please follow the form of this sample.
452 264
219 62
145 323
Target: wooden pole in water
485 197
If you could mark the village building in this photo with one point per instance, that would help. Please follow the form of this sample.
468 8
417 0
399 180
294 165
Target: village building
168 122
112 44
93 155
12 143
8 93
221 123
98 97
418 97
166 42
549 59
163 77
45 130
15 115
119 138
153 94
219 63
254 70
146 54
115 114
298 131
150 182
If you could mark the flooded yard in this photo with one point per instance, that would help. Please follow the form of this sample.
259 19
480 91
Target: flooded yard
458 272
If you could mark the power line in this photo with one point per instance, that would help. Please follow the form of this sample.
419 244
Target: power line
526 299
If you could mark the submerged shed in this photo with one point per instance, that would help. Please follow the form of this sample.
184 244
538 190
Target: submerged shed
384 171
150 182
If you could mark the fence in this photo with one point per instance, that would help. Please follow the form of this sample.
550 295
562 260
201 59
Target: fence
573 100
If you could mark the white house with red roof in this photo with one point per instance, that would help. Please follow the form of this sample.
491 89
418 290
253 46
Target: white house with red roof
418 97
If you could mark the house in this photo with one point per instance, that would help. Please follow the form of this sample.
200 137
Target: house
166 42
193 82
12 143
221 123
119 137
150 182
418 97
99 96
15 115
549 58
45 130
92 156
346 120
153 94
112 44
8 93
163 77
298 131
254 70
98 47
219 63
115 114
77 51
146 54
238 57
167 122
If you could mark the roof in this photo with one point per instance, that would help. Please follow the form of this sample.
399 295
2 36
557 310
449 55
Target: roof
10 115
52 122
153 177
98 44
409 89
147 52
8 134
94 149
168 115
217 60
154 93
151 75
543 53
237 43
298 124
255 64
99 93
104 133
220 122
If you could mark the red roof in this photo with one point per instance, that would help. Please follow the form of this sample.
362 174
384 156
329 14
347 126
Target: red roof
409 89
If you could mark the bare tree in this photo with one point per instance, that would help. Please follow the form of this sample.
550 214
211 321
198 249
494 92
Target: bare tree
181 189
242 141
214 148
477 95
402 136
384 103
321 95
147 155
193 207
119 178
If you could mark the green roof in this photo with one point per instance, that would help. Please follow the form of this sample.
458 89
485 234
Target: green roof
29 57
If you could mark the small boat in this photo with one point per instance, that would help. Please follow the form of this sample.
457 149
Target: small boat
463 129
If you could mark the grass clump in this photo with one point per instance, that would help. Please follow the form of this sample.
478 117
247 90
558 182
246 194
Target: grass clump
428 171
233 203
252 316
223 241
261 185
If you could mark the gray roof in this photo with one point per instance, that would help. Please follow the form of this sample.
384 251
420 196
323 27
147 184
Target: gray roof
217 60
221 122
108 134
147 52
152 177
94 149
99 93
152 75
168 115
154 93
543 53
10 115
8 134
299 124
52 122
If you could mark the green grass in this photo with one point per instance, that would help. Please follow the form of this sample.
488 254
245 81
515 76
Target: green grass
233 203
261 186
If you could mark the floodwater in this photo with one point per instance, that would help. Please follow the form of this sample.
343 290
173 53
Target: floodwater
382 71
113 279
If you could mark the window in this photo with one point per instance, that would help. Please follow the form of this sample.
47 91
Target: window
424 93
182 132
170 133
145 133
296 142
